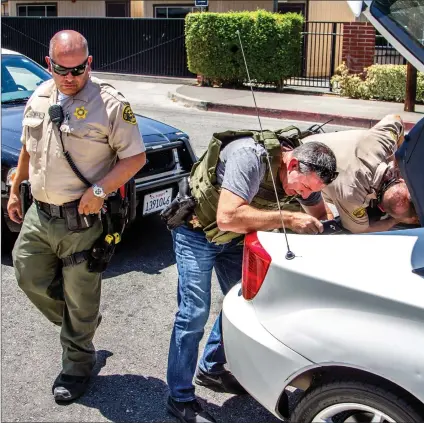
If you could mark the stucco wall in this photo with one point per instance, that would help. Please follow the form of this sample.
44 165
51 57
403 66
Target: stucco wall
217 6
137 9
67 8
330 11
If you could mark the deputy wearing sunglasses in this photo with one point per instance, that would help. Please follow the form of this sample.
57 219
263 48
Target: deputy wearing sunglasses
368 186
96 127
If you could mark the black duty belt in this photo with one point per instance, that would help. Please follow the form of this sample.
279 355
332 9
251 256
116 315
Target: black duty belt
52 210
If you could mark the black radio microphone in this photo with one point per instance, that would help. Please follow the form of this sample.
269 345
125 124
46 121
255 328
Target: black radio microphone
57 117
56 114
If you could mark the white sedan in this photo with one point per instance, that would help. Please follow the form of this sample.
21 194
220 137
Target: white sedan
343 321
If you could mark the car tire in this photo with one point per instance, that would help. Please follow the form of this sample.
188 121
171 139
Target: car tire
333 398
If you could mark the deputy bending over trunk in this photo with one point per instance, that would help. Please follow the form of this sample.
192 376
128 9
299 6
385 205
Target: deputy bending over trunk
369 185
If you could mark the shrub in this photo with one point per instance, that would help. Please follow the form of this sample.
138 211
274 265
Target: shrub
387 82
349 85
381 82
271 42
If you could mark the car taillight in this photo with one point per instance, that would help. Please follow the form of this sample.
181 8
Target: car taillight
256 262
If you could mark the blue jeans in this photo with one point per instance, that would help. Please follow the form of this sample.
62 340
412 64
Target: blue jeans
196 257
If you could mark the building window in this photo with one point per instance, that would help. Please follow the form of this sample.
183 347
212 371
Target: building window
174 11
117 9
288 7
36 9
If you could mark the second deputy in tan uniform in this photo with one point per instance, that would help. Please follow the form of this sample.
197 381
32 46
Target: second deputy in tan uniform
368 176
99 127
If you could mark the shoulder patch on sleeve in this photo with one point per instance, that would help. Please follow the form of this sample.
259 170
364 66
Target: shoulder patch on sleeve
128 115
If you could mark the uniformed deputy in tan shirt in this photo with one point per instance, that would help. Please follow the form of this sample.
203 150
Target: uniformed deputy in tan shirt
99 126
62 225
365 161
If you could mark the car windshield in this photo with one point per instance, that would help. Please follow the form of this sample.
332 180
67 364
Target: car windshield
20 77
407 14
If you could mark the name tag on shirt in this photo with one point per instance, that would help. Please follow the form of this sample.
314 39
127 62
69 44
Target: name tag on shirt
34 114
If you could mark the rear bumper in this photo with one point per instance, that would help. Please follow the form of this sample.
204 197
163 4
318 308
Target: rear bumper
259 361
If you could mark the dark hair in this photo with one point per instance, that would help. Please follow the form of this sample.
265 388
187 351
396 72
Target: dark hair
317 157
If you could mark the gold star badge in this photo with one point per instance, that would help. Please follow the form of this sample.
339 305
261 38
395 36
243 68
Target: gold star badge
80 112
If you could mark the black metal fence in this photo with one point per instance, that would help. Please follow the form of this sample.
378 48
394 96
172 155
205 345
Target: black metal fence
321 54
385 54
157 46
118 45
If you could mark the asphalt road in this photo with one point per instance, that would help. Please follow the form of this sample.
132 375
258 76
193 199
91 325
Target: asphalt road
138 307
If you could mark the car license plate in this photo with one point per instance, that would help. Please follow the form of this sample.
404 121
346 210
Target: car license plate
157 201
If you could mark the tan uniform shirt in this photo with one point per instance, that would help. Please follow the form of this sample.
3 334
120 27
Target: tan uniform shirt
363 157
99 127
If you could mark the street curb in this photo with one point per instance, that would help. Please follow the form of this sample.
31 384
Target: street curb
188 101
145 78
279 113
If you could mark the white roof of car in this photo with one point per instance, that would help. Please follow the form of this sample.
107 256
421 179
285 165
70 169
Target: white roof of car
6 51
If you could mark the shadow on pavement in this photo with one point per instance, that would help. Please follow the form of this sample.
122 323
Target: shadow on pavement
241 409
134 398
125 398
6 258
7 243
146 247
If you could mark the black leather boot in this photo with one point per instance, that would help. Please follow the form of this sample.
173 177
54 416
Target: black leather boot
189 412
222 382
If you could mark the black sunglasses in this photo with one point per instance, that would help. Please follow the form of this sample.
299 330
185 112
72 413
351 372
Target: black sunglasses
326 174
76 71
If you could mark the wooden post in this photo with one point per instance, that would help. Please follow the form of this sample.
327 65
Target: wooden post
411 88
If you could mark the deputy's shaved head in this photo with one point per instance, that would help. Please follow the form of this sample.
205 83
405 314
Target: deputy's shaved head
67 42
397 201
69 49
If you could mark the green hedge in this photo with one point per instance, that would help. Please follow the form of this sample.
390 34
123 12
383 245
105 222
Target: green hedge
271 42
380 82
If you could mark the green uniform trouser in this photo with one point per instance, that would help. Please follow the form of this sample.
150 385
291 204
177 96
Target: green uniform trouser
43 240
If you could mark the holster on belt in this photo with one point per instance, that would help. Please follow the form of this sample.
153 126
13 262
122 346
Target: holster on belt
181 207
103 249
26 196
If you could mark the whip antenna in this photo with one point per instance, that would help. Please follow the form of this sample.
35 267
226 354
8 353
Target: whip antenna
289 255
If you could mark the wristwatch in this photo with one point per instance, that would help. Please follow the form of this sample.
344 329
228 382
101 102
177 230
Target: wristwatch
98 191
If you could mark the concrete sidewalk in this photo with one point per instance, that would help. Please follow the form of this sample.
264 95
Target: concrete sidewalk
296 106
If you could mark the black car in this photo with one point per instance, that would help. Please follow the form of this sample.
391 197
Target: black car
169 153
